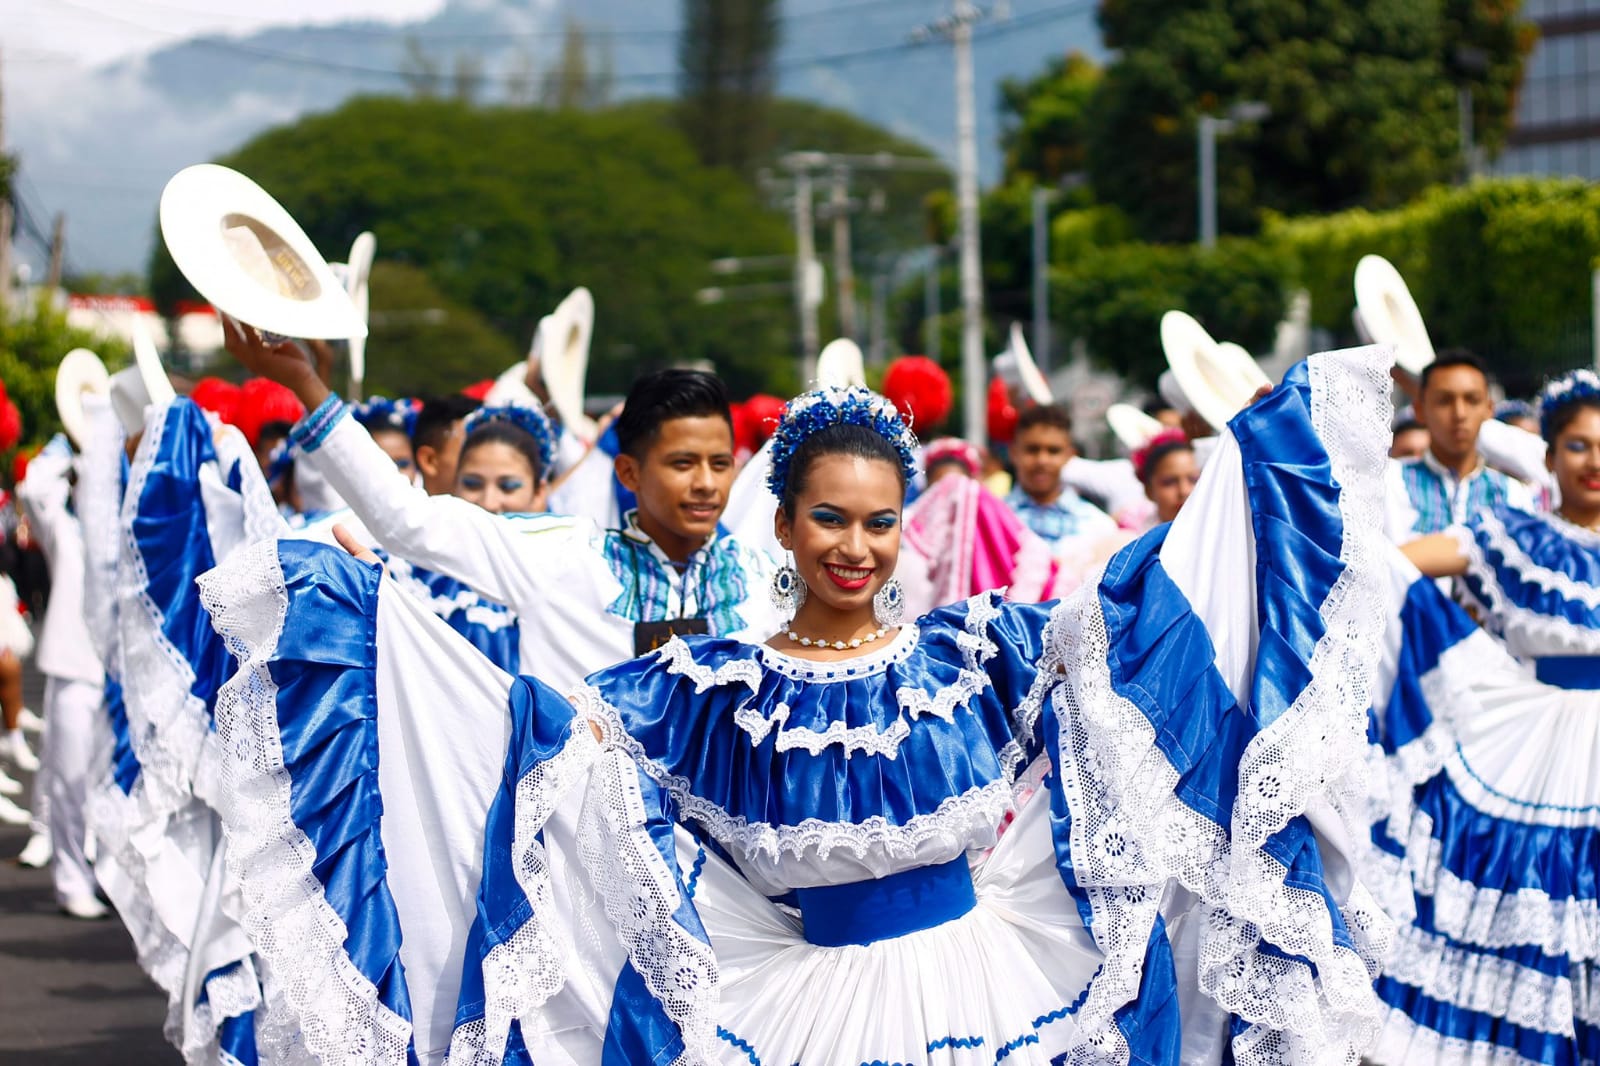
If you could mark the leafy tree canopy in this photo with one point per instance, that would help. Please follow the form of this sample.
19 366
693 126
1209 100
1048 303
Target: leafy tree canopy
1362 98
32 341
506 209
1044 121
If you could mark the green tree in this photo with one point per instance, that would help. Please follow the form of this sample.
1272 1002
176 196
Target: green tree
507 209
726 78
32 341
1362 98
423 343
1044 121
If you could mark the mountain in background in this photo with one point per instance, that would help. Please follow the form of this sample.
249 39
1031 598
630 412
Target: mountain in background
100 147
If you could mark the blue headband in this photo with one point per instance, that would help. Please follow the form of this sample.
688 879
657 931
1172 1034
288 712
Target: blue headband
380 412
531 420
820 408
1569 388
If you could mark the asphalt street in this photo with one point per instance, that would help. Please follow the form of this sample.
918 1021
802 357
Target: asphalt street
70 991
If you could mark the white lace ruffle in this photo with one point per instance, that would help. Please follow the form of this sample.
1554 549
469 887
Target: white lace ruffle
261 519
314 989
1533 573
1488 984
521 973
1131 834
640 894
1402 1042
1526 632
167 724
969 819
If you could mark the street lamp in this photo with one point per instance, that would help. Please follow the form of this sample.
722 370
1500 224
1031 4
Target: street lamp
1212 127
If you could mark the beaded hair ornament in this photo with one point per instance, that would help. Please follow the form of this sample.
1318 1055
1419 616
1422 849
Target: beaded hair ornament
531 420
380 412
820 408
952 449
1571 387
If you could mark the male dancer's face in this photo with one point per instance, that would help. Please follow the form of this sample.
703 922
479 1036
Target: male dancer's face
682 482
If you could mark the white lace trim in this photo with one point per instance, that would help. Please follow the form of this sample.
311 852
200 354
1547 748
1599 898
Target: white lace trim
261 518
167 724
1402 1042
1489 985
1130 833
958 819
491 618
1572 531
1533 573
640 895
315 988
522 972
821 672
1523 629
976 649
228 995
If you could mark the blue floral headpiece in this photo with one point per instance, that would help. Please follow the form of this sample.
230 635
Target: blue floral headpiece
380 412
820 408
530 419
1569 388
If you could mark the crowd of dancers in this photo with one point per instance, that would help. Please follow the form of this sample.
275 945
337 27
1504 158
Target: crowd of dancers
499 730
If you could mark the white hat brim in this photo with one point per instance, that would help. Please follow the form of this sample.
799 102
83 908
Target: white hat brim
200 204
1390 314
1211 382
563 351
156 383
80 371
841 365
358 272
1131 426
1034 382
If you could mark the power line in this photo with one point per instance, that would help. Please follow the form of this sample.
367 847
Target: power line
1016 25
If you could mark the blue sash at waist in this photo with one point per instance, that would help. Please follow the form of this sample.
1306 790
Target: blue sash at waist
863 912
1569 671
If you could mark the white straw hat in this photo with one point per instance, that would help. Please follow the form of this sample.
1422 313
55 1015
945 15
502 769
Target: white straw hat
841 365
1390 315
243 252
80 371
562 344
1212 380
1131 426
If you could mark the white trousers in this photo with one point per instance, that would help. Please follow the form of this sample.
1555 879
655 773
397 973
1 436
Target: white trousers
70 710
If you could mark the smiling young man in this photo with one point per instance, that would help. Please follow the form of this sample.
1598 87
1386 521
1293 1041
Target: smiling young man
1450 482
1040 451
584 598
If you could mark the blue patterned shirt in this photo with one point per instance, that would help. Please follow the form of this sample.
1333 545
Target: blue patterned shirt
714 583
1068 515
1427 497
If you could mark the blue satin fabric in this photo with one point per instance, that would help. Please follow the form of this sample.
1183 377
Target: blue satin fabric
1429 625
692 734
864 912
638 1029
325 670
124 762
1569 671
174 545
500 644
237 1038
1548 547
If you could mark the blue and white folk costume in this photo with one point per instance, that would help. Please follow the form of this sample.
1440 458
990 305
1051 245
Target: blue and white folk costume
1486 814
578 595
767 859
193 496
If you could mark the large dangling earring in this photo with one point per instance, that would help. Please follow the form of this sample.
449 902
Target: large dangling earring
889 605
788 591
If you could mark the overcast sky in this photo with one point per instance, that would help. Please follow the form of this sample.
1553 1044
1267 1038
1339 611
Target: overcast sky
38 34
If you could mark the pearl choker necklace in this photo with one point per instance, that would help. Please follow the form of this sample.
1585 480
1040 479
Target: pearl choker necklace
837 645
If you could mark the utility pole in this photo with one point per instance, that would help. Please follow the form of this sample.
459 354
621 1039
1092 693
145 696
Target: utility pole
1041 277
957 29
805 269
5 207
58 246
930 303
878 353
1208 180
843 275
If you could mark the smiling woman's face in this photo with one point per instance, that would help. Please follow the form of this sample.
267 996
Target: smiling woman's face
845 536
1574 458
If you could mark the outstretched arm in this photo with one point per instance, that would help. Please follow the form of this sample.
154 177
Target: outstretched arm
1437 555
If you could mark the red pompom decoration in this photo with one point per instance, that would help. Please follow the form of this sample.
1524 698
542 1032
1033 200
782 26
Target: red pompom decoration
764 413
221 398
262 401
10 425
743 431
19 465
920 388
1002 413
479 390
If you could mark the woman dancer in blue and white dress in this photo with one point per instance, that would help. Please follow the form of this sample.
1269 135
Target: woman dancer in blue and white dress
790 852
1487 826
